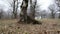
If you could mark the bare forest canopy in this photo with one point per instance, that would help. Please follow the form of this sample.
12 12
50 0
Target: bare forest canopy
43 9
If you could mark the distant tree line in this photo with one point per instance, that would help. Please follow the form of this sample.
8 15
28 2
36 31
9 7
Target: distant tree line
43 14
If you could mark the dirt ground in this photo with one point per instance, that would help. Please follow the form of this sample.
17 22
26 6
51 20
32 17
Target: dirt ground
49 26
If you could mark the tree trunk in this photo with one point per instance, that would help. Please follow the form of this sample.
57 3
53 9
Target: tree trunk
52 14
23 13
14 14
58 4
24 18
32 9
16 9
59 15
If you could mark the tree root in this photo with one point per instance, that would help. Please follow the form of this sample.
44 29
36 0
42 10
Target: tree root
29 21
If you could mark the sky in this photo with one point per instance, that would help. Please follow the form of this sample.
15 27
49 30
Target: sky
44 4
4 5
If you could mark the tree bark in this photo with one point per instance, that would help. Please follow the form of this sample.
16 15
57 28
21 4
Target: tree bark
52 14
59 15
32 9
24 18
15 7
23 13
14 13
58 4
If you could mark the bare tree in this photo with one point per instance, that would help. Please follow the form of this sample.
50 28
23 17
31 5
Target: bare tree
14 5
14 13
52 9
24 18
32 8
1 13
16 8
58 4
23 13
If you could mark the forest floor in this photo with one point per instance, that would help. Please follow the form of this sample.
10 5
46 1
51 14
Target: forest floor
49 26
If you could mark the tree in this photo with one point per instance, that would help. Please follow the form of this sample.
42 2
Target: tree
52 9
14 13
23 13
24 18
32 8
14 5
15 8
58 4
1 13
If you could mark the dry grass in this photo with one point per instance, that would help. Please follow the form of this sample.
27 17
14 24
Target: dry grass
11 27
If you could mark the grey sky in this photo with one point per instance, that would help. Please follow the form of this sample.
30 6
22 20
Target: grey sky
44 4
4 4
